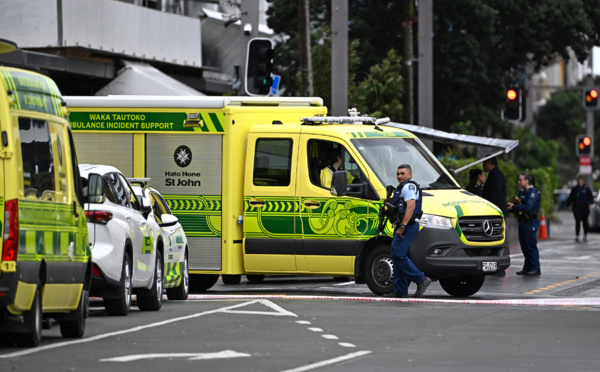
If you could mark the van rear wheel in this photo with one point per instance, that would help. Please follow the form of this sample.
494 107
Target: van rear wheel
462 286
231 279
379 270
76 328
199 283
31 332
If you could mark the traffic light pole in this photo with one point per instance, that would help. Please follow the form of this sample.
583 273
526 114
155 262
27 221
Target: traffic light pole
249 30
589 130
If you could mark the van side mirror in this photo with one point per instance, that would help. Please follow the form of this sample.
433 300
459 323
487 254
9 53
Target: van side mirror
146 206
95 188
168 220
339 183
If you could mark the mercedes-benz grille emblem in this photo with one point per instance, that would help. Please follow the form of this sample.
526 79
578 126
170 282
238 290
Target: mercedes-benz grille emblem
488 229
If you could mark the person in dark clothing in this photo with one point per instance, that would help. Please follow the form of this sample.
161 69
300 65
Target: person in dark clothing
581 198
476 182
527 208
494 189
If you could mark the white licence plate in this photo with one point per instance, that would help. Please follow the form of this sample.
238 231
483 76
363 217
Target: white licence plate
489 266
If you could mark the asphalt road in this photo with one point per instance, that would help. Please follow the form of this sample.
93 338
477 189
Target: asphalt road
547 323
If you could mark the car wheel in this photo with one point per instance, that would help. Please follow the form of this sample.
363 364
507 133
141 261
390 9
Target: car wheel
152 301
31 332
463 286
231 279
201 282
182 291
379 270
76 328
122 304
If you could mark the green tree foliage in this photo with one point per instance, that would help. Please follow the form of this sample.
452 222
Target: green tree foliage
378 94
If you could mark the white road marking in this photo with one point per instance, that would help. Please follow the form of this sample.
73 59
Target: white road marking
148 326
582 301
346 283
279 311
314 329
346 344
324 363
330 337
226 354
302 322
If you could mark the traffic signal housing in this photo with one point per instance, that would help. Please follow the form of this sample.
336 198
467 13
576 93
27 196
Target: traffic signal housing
512 109
584 145
259 66
590 99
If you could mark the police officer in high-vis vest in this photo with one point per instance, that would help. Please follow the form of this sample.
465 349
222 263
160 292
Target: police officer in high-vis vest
527 210
408 200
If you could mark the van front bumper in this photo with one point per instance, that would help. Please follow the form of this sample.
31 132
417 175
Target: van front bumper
441 254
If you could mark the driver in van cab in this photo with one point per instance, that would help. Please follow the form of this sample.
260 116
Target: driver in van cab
334 162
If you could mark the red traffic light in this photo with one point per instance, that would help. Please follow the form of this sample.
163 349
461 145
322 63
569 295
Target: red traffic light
586 140
593 93
511 94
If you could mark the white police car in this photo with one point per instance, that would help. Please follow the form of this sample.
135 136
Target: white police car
176 275
127 251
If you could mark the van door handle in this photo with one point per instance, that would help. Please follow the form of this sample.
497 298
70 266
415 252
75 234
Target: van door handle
312 204
258 203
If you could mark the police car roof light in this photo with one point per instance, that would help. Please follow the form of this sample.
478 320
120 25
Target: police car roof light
141 181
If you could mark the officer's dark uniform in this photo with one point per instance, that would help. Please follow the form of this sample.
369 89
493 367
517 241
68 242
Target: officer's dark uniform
405 270
581 197
529 224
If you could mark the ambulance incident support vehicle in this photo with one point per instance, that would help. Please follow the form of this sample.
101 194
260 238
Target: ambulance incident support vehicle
45 265
243 176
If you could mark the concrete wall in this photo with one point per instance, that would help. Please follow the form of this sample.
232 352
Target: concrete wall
104 25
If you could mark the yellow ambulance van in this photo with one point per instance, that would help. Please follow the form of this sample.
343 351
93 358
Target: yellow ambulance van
45 265
243 176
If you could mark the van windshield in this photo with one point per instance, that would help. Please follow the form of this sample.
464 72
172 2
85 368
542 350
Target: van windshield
384 155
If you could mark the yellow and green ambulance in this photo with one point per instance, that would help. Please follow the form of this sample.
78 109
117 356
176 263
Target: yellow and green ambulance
242 174
45 265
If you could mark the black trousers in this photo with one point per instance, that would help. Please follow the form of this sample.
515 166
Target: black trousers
581 217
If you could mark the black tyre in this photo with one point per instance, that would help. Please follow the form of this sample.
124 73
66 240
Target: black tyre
122 304
255 278
152 300
182 291
31 332
231 279
76 328
199 283
379 270
463 286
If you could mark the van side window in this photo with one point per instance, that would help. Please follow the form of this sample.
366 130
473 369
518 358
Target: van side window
324 157
272 162
36 150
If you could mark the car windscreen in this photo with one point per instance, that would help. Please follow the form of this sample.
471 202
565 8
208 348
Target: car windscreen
385 154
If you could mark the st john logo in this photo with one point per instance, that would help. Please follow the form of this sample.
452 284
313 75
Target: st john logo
183 156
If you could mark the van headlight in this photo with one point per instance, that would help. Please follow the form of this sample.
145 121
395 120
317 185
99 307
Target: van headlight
435 222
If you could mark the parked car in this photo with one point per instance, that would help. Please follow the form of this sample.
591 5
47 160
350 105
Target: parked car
127 253
594 219
176 275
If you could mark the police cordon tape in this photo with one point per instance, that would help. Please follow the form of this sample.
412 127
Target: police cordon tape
593 301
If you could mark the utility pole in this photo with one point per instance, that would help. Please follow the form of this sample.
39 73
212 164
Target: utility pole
425 77
305 50
409 84
339 57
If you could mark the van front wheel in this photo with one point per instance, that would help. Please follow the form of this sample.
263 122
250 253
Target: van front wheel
462 286
379 270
